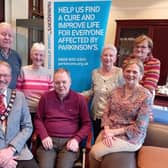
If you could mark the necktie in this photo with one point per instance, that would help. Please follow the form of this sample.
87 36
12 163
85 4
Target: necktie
2 110
2 105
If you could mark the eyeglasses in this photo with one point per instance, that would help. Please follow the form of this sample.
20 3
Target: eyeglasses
58 83
139 46
5 75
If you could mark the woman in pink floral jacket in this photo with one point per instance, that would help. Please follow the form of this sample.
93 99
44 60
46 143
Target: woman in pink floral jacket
126 119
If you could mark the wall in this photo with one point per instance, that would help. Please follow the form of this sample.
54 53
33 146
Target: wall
128 9
18 9
134 9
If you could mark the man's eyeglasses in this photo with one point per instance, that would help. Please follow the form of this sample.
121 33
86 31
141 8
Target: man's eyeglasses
5 75
139 46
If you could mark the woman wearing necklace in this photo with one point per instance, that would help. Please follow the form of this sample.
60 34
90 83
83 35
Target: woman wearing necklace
126 119
104 80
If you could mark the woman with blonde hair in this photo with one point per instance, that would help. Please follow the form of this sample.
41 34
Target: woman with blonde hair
126 117
104 80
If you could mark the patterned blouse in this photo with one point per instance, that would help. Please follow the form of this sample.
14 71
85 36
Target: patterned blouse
132 113
101 90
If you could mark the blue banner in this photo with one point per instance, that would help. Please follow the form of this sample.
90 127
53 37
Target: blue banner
79 31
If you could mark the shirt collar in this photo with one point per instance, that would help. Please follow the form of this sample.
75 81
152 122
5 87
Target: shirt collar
66 97
2 53
5 93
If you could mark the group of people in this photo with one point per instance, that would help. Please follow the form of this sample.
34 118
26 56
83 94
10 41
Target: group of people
34 100
125 118
33 97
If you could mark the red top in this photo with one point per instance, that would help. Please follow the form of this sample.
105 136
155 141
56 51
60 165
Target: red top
66 118
151 73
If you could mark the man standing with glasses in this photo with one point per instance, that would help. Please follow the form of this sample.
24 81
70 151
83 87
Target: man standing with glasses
15 125
7 54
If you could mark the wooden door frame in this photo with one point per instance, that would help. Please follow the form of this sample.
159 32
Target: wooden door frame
2 10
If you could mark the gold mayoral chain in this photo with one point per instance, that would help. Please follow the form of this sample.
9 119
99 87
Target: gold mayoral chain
9 107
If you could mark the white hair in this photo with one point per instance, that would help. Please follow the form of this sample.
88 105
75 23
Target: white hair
110 46
38 46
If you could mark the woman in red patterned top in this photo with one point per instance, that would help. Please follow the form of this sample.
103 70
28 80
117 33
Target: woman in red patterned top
143 49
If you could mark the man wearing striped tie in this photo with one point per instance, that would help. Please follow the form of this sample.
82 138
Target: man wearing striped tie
15 125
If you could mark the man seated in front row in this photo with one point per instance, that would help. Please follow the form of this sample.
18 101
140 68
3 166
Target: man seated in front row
15 125
62 122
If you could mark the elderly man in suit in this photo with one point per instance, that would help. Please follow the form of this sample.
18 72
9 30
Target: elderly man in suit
15 125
